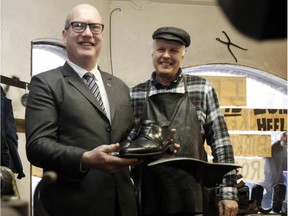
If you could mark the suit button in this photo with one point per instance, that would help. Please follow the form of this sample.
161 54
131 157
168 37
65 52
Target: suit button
108 129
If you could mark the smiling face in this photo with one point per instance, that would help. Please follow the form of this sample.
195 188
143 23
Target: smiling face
167 58
83 48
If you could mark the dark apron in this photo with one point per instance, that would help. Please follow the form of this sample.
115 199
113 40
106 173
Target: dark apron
167 190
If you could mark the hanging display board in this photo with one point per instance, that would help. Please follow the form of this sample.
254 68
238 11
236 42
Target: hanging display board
229 89
252 169
255 119
268 119
248 145
251 145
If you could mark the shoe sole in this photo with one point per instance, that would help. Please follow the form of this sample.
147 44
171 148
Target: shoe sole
144 155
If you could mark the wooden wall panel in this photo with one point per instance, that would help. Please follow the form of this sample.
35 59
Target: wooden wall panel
236 118
231 91
249 145
252 169
268 119
255 119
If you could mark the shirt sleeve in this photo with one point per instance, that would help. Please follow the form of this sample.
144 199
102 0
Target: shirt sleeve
217 137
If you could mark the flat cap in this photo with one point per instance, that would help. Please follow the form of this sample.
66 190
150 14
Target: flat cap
172 33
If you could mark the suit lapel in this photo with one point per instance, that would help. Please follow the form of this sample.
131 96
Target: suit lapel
78 83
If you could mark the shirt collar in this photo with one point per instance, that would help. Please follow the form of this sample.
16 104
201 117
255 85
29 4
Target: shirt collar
81 71
173 83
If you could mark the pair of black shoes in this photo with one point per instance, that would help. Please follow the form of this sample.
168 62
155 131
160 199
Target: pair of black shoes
146 140
253 206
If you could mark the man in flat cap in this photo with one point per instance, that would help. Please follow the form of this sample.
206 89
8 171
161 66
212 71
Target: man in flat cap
189 104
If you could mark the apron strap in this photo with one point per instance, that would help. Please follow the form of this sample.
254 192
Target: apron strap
183 77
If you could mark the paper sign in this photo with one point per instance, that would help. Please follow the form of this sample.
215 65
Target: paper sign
249 145
231 91
255 119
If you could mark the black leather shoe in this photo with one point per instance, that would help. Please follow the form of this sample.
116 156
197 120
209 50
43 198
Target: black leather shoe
152 140
132 134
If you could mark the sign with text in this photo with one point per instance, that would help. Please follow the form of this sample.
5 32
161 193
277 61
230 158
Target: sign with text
249 145
236 118
229 89
255 119
252 169
268 119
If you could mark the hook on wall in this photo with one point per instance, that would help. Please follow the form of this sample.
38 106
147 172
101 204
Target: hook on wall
229 43
110 36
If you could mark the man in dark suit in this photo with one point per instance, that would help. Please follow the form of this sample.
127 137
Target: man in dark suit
69 132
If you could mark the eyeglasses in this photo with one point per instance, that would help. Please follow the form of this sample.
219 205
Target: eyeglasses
80 27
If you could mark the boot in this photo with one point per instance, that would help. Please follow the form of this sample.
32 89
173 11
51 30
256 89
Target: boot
279 192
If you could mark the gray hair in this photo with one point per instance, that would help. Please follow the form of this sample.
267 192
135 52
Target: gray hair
153 45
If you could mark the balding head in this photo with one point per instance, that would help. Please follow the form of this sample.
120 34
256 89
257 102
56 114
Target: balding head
83 47
84 9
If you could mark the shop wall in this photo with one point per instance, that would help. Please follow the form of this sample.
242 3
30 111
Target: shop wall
133 26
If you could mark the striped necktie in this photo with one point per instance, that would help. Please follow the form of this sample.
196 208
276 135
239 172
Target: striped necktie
90 81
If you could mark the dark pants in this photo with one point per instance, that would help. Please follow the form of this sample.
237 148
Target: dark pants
117 208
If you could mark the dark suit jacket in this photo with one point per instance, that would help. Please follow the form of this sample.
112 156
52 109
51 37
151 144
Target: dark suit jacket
63 120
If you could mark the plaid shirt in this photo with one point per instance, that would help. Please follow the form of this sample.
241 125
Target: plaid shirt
213 126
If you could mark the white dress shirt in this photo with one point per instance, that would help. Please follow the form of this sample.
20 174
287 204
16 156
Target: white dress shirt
81 72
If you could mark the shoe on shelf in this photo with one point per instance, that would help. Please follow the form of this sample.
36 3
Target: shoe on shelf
279 193
257 194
